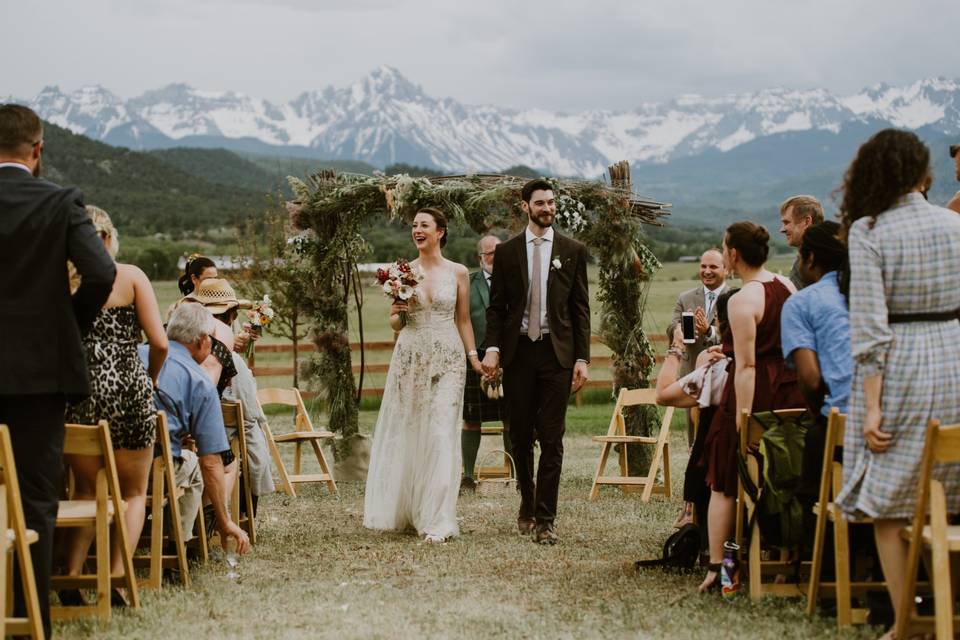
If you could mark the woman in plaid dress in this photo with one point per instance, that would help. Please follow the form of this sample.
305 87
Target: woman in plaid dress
904 299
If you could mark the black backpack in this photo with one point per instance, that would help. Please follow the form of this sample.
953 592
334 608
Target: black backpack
680 551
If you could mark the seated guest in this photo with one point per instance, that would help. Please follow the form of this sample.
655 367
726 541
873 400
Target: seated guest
192 404
219 298
815 323
121 392
701 388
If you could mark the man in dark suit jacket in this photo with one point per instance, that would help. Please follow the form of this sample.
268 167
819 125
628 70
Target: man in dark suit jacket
42 363
538 331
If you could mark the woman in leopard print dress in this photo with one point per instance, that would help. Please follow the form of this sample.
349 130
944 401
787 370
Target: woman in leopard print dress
121 392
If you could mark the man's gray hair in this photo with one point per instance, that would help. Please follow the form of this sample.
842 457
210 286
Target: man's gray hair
482 238
189 323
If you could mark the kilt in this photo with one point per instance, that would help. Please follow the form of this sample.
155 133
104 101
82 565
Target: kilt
477 407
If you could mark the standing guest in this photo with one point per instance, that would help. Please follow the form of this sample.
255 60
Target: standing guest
954 203
904 305
796 214
193 410
477 407
760 381
42 362
121 392
539 318
198 269
702 302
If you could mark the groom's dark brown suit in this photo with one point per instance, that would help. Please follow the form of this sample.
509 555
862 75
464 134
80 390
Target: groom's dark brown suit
537 374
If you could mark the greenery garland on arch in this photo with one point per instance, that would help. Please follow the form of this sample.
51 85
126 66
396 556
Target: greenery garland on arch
607 217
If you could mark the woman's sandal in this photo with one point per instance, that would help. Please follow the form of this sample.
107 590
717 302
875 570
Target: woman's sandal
713 567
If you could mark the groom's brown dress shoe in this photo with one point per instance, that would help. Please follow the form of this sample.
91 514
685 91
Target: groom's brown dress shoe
546 534
526 526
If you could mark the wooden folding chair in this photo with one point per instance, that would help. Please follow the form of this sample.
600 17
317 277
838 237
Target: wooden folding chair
750 433
233 419
498 470
831 480
303 433
163 497
104 511
617 434
17 539
942 446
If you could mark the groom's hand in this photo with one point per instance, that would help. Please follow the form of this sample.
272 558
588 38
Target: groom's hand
490 364
579 376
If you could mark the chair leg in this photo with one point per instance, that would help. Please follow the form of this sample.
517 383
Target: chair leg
278 461
322 461
103 564
666 469
156 529
298 450
816 564
841 547
755 567
601 465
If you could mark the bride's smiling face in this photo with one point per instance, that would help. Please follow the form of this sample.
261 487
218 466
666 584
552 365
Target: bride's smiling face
425 233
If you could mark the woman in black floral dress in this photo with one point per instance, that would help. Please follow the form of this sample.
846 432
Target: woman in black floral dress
121 392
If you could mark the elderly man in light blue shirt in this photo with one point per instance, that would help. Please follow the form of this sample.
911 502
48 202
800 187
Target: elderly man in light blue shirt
192 404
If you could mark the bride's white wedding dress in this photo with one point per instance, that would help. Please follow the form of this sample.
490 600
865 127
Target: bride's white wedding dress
414 472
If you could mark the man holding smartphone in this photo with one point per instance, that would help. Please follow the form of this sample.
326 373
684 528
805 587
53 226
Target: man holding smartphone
699 306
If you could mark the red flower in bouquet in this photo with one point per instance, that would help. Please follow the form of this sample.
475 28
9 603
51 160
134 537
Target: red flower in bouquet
399 282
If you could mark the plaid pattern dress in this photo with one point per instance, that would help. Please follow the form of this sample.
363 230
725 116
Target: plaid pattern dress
907 263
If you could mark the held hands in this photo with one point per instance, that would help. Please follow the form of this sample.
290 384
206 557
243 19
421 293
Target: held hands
490 364
878 440
231 530
579 376
475 364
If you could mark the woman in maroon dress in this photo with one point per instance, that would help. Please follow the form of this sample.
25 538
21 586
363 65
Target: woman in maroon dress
759 379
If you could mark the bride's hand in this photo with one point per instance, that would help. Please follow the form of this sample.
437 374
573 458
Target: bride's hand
399 307
475 364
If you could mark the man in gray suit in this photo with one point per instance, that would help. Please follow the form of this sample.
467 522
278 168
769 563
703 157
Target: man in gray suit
701 301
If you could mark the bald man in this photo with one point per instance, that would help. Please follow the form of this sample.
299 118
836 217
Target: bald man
701 301
477 407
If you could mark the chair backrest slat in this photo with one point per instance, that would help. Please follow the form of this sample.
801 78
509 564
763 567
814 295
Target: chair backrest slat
634 397
273 395
232 414
82 440
754 430
948 444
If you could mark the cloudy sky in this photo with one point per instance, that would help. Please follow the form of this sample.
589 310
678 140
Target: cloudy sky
557 54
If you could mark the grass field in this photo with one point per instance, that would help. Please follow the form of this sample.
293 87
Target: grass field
316 573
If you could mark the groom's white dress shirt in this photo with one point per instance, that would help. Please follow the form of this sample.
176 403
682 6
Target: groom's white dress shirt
546 248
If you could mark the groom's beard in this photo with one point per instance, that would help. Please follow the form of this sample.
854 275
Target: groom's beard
542 220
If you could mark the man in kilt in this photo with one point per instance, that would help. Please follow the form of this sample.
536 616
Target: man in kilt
477 407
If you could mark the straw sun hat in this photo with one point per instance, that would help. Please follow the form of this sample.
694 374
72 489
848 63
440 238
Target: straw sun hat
217 295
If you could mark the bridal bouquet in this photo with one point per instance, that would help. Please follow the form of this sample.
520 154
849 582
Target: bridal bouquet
399 282
260 314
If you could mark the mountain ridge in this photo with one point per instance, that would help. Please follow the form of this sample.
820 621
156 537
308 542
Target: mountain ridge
385 118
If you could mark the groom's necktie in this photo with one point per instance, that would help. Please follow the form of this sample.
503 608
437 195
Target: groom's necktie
533 322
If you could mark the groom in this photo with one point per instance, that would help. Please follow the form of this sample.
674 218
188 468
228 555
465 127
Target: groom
538 331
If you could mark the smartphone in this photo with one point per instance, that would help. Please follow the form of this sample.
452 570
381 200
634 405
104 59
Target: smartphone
688 327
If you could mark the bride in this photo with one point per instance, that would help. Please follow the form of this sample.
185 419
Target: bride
414 474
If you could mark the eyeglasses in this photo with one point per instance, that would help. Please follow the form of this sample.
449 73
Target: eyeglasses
486 253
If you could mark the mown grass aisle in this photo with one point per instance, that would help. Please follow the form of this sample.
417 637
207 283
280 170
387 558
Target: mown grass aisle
317 573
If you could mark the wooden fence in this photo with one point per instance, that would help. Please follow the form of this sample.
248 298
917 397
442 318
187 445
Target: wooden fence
598 363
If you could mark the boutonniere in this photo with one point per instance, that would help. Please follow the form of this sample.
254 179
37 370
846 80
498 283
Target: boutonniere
556 265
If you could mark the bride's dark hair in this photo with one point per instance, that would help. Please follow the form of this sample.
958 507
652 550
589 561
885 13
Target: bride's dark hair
441 221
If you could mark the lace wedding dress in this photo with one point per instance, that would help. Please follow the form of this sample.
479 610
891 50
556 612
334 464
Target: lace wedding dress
414 473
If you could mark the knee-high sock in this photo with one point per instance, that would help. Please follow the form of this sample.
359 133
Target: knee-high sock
469 446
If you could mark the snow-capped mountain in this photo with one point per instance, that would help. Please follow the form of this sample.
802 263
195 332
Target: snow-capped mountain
385 118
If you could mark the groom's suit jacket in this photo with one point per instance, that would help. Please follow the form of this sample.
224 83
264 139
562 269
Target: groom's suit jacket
568 301
43 225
